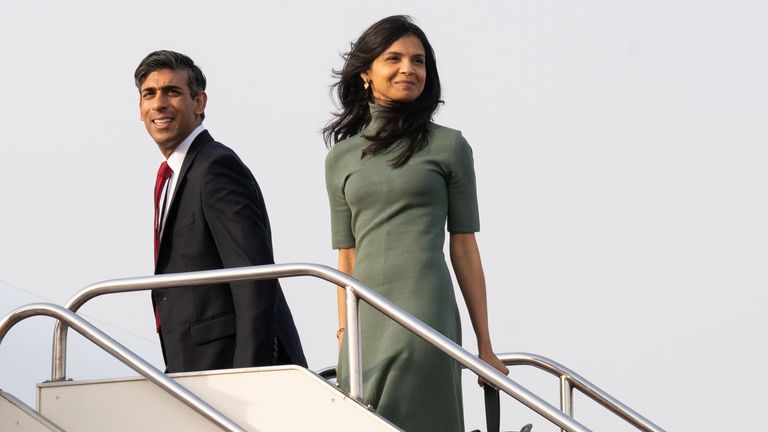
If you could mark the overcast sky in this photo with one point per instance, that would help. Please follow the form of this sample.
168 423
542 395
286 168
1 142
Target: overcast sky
620 150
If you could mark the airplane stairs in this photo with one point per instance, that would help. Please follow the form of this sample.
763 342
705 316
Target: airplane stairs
278 398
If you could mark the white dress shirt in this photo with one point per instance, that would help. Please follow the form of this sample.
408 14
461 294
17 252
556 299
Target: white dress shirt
175 160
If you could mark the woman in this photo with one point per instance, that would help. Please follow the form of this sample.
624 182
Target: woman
393 178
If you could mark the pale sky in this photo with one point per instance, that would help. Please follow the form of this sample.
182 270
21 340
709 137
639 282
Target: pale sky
620 150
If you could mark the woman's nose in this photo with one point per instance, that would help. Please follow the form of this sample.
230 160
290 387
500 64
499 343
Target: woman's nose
406 67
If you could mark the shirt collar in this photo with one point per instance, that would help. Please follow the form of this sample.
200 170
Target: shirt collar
176 159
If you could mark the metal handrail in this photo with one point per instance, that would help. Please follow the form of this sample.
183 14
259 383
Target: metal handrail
355 291
180 281
103 341
570 380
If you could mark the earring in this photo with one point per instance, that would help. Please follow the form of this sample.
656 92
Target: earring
365 85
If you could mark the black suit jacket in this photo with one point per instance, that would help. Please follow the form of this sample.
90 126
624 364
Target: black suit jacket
217 219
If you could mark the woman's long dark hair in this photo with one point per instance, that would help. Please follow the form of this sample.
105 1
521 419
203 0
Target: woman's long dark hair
401 121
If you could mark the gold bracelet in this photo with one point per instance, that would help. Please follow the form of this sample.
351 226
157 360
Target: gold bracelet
340 331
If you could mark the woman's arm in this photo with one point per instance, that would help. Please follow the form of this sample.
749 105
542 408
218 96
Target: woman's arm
347 266
465 258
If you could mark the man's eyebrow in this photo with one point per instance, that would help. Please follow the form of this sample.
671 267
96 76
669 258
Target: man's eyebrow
162 89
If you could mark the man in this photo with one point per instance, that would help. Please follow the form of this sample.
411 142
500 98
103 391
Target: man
209 214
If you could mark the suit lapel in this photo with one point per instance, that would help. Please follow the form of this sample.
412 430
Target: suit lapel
200 141
194 149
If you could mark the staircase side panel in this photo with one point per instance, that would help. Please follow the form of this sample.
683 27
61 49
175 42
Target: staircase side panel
16 416
284 398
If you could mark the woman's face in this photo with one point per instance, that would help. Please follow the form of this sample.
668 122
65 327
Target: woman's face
398 74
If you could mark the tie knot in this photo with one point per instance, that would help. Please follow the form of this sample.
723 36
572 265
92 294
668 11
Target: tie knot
164 171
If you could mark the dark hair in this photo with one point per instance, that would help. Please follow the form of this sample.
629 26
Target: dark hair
406 121
164 59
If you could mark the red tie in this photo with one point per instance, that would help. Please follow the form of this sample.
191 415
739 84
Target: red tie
163 173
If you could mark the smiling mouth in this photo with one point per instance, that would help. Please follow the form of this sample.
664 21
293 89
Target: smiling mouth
407 83
162 122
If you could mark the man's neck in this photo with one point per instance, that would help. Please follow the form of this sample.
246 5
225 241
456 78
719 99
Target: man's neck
167 150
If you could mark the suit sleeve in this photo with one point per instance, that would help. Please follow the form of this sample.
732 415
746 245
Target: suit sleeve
236 215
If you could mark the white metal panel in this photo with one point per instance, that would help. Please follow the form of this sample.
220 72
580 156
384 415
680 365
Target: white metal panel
282 398
16 416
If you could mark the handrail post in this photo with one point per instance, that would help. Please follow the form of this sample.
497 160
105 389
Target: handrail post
566 396
59 352
353 345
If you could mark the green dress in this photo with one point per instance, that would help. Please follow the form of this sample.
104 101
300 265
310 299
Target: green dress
396 219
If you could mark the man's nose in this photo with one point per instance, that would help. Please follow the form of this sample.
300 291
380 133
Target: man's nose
159 102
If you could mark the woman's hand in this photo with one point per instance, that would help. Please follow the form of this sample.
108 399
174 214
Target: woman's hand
491 358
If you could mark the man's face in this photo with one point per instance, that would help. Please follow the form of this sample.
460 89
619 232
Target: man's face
168 110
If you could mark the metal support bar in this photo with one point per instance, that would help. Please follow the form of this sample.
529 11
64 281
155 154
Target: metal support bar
353 346
566 395
121 353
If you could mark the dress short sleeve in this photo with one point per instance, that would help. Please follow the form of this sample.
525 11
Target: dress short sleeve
341 215
463 214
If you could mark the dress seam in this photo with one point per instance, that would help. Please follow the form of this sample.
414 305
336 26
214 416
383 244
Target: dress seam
386 223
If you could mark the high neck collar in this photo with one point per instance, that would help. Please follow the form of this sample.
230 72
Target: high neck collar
378 115
377 111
